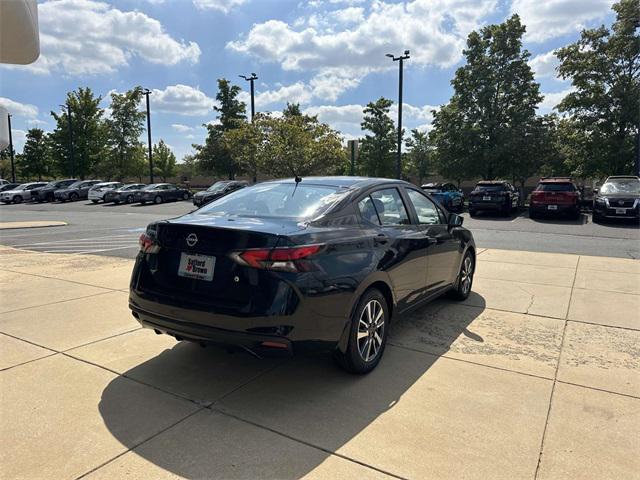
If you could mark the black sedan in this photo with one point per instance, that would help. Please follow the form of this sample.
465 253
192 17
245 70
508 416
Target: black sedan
76 191
47 193
217 190
162 192
124 194
619 197
288 265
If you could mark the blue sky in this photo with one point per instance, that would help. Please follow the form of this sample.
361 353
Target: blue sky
328 55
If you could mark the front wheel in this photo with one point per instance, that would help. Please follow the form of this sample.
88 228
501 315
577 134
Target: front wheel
185 196
368 334
73 197
462 287
129 198
17 199
94 201
157 200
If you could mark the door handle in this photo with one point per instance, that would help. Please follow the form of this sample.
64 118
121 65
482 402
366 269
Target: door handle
380 239
432 241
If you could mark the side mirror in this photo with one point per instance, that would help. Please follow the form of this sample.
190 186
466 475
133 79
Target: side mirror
596 190
455 220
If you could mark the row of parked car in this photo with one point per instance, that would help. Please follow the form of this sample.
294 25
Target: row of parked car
111 192
618 197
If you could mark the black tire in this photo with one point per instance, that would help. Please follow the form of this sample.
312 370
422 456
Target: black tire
532 214
51 198
464 281
359 357
129 198
17 199
185 196
157 200
117 202
74 197
143 202
95 201
472 212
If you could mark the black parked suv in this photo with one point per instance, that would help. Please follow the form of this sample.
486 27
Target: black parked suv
494 195
218 190
76 191
618 197
162 192
47 193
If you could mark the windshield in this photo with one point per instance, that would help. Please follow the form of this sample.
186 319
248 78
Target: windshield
621 186
22 186
75 184
493 187
555 187
276 200
217 187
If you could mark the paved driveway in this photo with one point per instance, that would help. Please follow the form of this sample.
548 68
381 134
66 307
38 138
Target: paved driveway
537 375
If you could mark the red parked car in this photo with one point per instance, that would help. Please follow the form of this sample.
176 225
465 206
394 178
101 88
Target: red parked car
555 196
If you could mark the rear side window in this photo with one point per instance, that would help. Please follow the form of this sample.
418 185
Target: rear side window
556 187
493 187
389 207
426 210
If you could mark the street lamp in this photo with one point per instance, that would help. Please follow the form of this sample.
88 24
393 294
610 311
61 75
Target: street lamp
146 93
71 156
400 59
13 165
251 79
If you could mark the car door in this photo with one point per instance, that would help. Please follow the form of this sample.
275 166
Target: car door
400 246
172 192
445 250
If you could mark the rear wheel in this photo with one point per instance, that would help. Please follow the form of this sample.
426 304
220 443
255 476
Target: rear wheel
185 196
143 202
73 197
368 334
117 202
462 287
157 200
129 198
95 201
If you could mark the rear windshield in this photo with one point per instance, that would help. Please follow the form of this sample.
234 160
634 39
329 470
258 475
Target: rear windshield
276 200
492 187
556 187
621 186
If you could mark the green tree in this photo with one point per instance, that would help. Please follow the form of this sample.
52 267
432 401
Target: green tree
418 161
377 150
124 127
300 145
35 161
89 134
495 97
213 156
604 68
246 143
164 161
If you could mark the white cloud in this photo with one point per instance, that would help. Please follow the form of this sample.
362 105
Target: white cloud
86 37
544 65
181 100
435 31
224 6
554 18
19 109
178 127
552 99
36 122
295 93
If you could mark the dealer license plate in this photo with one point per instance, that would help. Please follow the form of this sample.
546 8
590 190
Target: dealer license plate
486 198
196 266
621 211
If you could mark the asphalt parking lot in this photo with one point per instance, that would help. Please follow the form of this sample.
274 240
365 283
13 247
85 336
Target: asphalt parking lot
536 375
113 230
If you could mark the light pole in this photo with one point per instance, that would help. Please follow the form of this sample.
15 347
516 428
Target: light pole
71 156
400 59
13 165
251 79
146 93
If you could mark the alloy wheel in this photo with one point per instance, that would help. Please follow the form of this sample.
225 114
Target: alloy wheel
371 326
466 275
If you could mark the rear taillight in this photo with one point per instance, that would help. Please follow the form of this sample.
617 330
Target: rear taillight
289 259
148 244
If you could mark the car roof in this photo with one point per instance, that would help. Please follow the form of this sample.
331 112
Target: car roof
433 185
343 181
622 177
491 182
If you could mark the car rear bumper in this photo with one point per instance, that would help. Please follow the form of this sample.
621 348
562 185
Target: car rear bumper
488 205
559 210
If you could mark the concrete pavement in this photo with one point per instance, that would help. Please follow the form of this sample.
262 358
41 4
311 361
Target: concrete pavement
536 375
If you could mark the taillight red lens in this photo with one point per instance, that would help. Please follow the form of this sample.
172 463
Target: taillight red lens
289 259
148 244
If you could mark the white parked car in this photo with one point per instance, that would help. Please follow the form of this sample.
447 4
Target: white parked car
96 193
22 193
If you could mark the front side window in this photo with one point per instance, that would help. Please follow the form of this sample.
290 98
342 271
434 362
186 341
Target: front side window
389 207
426 210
